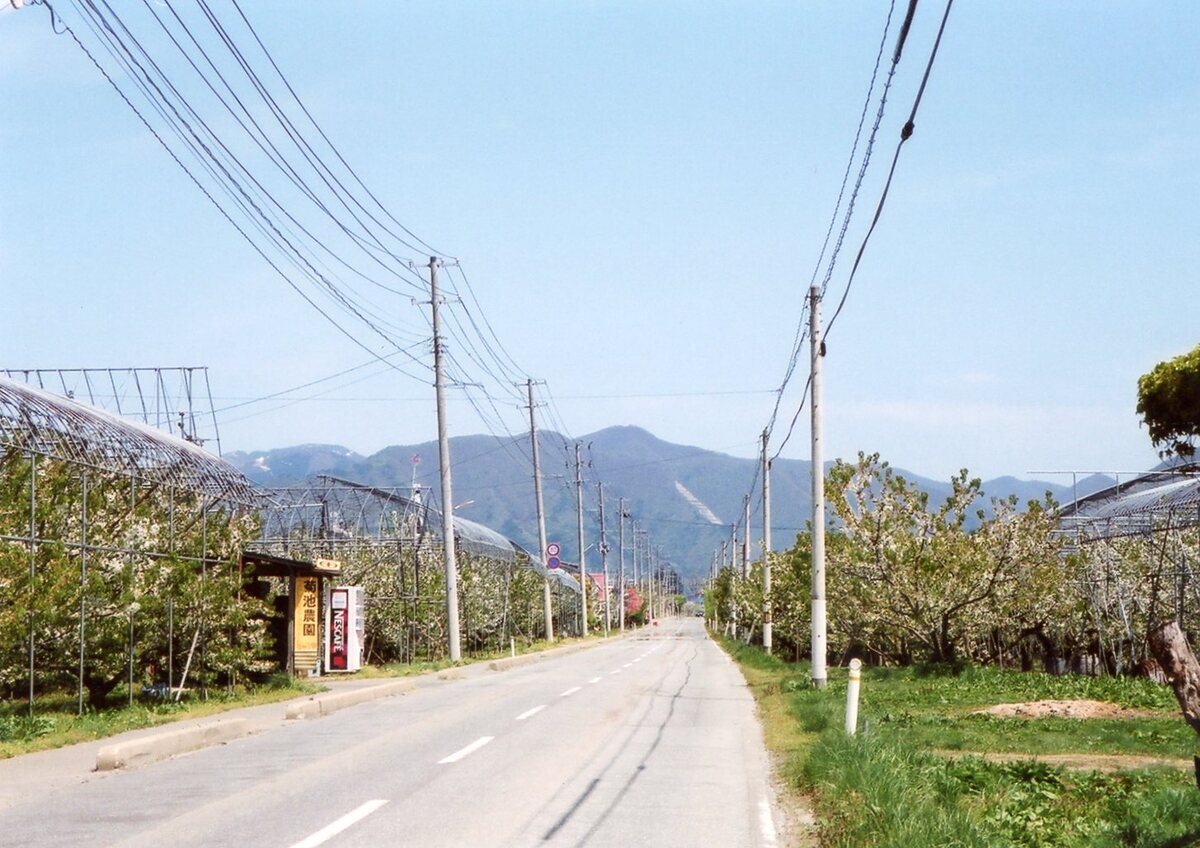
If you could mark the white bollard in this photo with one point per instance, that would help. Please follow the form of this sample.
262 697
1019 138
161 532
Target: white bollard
852 688
512 645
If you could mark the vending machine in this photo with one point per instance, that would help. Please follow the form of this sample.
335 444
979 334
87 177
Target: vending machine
345 625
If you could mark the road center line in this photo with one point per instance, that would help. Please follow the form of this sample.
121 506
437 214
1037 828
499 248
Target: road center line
594 680
334 828
627 665
470 749
570 691
615 671
531 712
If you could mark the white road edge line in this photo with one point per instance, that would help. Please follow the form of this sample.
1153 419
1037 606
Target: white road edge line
766 822
594 680
334 828
570 691
531 712
470 749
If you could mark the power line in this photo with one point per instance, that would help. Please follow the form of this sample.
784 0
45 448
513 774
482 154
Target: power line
905 134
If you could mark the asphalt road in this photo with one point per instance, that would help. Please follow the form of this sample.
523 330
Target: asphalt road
648 740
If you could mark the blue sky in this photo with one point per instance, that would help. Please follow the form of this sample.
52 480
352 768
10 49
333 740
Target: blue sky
639 192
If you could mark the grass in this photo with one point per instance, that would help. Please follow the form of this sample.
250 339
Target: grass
55 722
888 787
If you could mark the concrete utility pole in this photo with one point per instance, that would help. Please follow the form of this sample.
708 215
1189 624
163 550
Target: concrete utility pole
621 578
766 545
547 604
745 536
583 627
659 584
819 675
439 377
650 565
604 561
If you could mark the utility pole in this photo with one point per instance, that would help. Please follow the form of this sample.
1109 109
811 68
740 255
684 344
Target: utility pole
439 376
819 675
604 562
650 581
637 574
766 546
583 628
745 536
547 604
621 577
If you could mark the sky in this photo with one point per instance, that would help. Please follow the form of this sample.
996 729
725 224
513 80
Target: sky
638 194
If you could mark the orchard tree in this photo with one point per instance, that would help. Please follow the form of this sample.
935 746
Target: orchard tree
1169 404
918 577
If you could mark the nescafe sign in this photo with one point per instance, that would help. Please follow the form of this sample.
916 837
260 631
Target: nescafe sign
338 656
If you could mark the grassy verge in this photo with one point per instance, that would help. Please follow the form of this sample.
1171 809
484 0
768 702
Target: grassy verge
55 722
888 787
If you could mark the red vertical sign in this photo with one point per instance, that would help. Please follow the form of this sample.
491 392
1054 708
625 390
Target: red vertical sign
339 600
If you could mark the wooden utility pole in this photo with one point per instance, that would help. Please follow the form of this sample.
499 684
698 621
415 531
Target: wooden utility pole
439 376
819 674
583 627
547 604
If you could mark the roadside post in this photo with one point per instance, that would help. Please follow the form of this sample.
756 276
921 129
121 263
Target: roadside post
852 688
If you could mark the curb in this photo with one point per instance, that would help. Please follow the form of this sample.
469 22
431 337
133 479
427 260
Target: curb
550 653
323 705
160 746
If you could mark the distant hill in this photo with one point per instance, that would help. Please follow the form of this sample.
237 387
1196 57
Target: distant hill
686 497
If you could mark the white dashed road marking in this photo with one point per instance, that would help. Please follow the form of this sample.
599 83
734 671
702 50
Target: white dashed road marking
470 749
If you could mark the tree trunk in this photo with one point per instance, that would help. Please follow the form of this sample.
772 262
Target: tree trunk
1173 653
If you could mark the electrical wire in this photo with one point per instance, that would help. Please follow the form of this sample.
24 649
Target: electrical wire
905 134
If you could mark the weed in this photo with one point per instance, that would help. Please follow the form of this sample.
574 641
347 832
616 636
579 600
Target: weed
888 786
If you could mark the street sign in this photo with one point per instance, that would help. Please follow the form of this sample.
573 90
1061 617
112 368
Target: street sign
552 551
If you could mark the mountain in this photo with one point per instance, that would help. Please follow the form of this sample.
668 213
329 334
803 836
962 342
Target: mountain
686 497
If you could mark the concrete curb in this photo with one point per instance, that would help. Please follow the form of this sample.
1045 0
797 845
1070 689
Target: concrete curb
323 705
160 746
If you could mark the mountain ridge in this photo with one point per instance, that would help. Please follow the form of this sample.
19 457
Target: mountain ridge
493 485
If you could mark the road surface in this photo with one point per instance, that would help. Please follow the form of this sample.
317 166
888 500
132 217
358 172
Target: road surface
648 740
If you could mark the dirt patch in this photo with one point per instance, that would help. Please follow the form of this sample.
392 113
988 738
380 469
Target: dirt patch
1062 709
